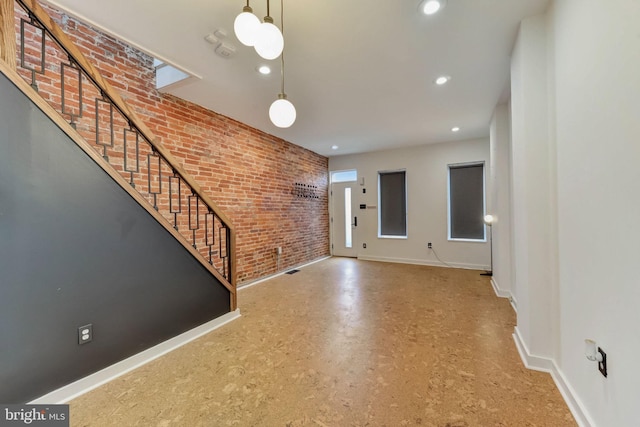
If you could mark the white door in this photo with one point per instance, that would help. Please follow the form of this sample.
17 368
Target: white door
344 220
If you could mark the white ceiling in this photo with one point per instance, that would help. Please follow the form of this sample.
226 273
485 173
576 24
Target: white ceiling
360 72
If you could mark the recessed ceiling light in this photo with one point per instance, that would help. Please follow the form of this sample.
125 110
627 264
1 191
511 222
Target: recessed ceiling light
429 7
455 129
264 69
334 147
442 80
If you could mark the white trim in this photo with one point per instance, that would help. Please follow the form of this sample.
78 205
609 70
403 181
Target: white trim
176 85
455 239
576 407
273 276
548 365
536 363
331 181
133 44
86 384
169 77
503 294
499 292
421 262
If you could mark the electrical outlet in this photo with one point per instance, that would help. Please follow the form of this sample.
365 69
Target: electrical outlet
85 334
364 246
602 365
429 246
279 250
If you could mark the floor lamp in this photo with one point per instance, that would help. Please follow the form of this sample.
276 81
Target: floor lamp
488 219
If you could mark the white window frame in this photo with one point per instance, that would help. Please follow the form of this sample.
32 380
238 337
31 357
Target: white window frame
341 171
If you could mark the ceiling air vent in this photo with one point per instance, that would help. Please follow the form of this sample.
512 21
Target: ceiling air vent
217 40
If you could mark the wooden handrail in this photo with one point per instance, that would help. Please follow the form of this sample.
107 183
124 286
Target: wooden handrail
7 34
63 40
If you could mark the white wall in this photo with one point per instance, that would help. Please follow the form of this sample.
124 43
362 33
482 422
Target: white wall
499 199
533 203
597 76
576 201
427 172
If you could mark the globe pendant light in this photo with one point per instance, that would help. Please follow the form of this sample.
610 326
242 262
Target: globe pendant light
269 40
246 26
282 112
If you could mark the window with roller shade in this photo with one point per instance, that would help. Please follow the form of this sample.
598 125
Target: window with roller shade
392 204
466 202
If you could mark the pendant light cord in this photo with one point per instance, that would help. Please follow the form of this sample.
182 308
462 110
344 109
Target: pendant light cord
282 54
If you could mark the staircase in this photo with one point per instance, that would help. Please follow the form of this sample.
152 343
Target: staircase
77 152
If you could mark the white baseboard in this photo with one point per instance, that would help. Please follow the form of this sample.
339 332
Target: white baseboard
536 363
86 384
548 365
504 294
499 292
570 397
422 262
273 276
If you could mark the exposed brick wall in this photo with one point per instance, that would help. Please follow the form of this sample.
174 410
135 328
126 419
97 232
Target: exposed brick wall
251 175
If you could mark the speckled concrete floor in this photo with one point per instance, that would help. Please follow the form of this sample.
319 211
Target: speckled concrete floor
343 343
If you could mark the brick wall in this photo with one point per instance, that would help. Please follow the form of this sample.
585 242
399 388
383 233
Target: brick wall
251 175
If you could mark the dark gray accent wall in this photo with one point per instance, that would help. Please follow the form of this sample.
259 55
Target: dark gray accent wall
75 248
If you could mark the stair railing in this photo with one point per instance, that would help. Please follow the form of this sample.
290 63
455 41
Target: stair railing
48 59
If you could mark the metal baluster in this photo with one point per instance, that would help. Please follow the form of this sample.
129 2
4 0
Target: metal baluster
111 136
23 62
172 180
137 151
210 230
197 221
227 266
223 257
154 193
63 68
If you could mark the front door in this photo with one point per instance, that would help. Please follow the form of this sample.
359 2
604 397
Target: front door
344 222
